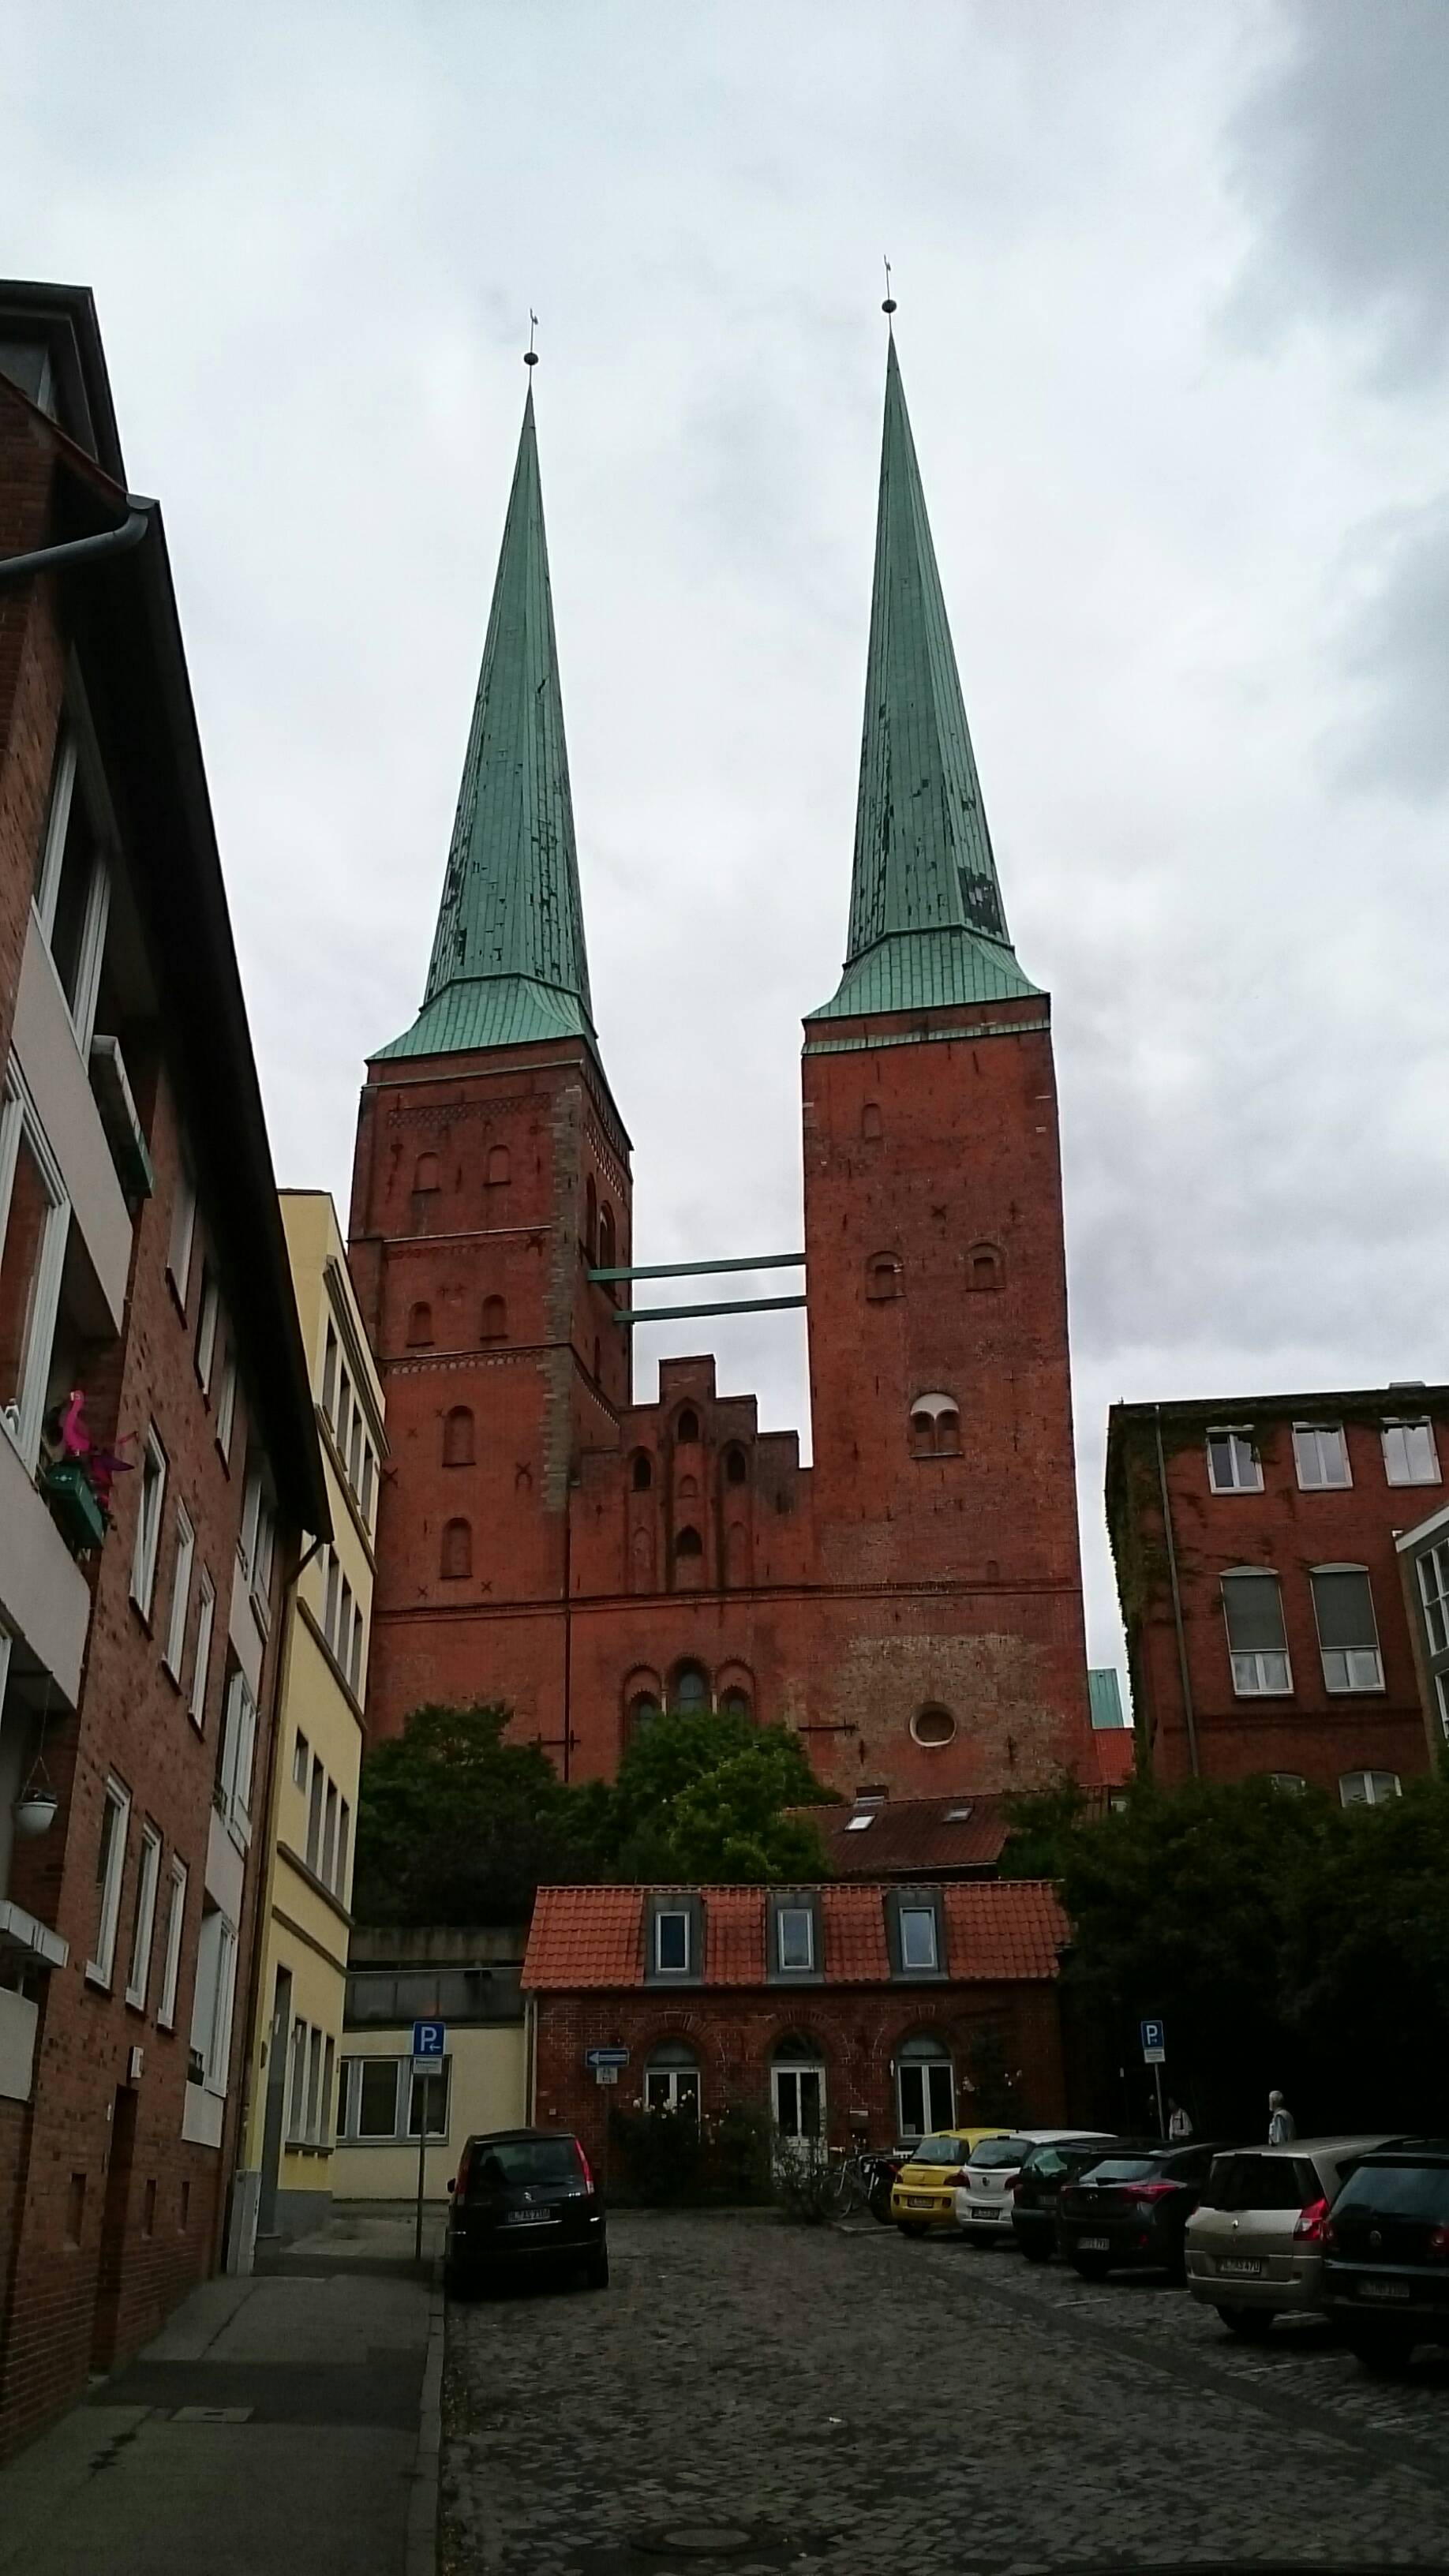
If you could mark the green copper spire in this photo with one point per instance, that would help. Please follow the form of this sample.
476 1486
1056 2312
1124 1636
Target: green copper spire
508 962
927 925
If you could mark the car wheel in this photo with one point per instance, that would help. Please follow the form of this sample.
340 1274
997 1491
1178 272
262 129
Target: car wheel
1250 2325
1090 2267
1034 2250
880 2205
911 2226
1382 2355
596 2272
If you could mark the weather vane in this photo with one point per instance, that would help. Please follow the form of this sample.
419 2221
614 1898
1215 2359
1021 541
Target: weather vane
530 355
889 305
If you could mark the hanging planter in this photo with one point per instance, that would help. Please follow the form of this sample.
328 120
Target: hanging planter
35 1811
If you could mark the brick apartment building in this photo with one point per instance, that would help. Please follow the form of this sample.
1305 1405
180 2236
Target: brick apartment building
828 2010
146 1317
911 1602
1257 1556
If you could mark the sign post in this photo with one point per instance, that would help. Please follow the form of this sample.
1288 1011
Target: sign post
429 2040
1154 2054
604 2064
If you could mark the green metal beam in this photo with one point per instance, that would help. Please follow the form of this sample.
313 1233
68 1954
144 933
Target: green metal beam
629 1316
698 1269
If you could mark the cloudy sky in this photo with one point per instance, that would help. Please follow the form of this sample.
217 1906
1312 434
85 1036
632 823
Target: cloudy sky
1174 323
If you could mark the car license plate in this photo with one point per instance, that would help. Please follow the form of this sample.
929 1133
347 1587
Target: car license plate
528 2218
1094 2244
918 2200
1383 2289
1241 2267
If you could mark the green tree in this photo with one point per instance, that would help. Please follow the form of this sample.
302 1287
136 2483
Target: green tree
456 1826
708 1797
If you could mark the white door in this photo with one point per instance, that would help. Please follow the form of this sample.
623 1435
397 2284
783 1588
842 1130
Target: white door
799 2093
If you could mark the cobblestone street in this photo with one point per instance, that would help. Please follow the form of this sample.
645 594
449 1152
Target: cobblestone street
845 2401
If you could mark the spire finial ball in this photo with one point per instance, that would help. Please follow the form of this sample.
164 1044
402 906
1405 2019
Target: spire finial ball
530 357
889 305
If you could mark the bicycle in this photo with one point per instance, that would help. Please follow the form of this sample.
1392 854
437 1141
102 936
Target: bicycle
857 2178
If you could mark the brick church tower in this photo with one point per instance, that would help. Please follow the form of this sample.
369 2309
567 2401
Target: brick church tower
912 1602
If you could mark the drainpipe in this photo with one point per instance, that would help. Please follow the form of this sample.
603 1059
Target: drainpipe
81 550
1189 1717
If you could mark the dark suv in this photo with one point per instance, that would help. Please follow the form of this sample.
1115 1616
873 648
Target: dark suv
1129 2211
524 2198
1386 2246
1043 2178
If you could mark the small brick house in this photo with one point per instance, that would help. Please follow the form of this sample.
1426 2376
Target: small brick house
1256 1541
879 2010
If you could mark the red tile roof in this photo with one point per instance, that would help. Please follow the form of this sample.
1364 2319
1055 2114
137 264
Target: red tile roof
997 1931
937 1836
1116 1751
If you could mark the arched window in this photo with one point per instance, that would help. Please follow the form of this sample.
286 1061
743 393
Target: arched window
933 1726
983 1266
688 1690
687 1427
591 1217
935 1427
643 1709
643 1472
606 1237
497 1166
882 1276
425 1172
689 1543
870 1119
494 1324
458 1436
797 2086
735 1702
671 2079
736 1467
457 1557
925 2087
420 1326
1368 1788
687 1488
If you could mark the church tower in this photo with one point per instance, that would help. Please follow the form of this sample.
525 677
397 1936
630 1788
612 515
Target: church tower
944 1481
491 1175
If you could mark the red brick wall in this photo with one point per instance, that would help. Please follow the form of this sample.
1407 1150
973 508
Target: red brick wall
735 2036
1315 1733
842 1598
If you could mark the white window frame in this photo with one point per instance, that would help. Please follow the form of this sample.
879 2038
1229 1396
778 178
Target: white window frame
183 1235
329 2092
344 1837
368 1496
1433 1566
143 1921
672 1967
1241 1435
201 1663
919 1914
401 2133
238 1753
1441 1687
316 1795
1372 1795
673 2088
117 1802
1259 1672
1308 1457
329 1373
793 2070
208 1321
354 1657
928 2069
81 1012
226 1402
174 1652
175 1925
328 1859
19 1118
263 1548
301 1756
795 1914
150 1511
217 2053
294 2125
1348 1669
1403 1424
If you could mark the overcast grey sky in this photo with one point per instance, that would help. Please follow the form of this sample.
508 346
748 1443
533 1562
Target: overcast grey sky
1174 325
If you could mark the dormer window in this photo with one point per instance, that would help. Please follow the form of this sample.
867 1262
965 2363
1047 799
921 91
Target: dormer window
673 1938
918 1938
671 1943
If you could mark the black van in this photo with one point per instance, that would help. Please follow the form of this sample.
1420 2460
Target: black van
1386 2245
525 2198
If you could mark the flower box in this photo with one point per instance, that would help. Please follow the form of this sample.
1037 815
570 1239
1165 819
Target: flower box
72 1499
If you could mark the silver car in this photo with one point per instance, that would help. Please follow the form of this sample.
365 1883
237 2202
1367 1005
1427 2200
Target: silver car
1255 2240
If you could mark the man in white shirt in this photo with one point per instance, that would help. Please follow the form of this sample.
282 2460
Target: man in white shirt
1281 2127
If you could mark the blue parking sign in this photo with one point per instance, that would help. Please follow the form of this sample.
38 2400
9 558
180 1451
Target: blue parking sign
1154 2042
428 2038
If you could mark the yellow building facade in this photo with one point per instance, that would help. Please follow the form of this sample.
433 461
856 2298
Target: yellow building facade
295 2043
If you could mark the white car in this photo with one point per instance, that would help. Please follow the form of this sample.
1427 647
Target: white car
983 2198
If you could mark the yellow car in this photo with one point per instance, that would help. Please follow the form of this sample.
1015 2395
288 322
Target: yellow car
924 2191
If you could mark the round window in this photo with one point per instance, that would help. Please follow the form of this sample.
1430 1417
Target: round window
933 1726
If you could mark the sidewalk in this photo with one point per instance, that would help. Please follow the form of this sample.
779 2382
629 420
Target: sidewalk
285 2422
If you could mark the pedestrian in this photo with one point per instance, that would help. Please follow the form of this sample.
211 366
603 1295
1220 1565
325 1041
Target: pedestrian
1179 2123
1282 2128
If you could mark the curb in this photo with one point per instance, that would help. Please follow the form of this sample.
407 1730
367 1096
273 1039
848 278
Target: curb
420 2546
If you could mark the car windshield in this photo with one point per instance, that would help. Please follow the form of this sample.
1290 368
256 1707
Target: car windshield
502 2162
1124 2169
1397 2191
942 2150
1001 2151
